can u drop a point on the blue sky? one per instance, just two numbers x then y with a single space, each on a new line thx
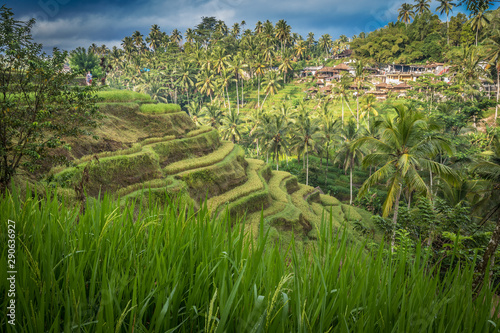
67 24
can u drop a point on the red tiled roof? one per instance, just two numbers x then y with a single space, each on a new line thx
342 67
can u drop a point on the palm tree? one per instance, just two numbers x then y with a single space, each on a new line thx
225 79
369 106
190 34
154 37
360 78
490 171
446 6
348 151
478 22
260 67
138 41
278 132
422 7
300 49
406 13
185 77
307 134
236 30
282 33
230 128
272 85
403 150
258 27
214 114
493 55
176 37
286 65
196 112
325 43
236 67
206 83
341 90
329 127
220 59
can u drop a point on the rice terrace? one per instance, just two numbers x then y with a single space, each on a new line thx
252 177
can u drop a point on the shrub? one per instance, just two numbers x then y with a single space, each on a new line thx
122 96
160 108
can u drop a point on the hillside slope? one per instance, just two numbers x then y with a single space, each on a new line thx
154 154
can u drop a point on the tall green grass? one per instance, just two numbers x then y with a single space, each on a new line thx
128 269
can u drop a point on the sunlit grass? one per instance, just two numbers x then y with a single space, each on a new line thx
128 269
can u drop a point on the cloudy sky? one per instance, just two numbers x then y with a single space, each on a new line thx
67 24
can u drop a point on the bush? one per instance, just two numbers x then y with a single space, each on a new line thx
122 96
160 108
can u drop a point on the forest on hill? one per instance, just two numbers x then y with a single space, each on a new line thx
237 179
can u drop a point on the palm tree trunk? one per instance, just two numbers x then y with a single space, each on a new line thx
395 218
342 101
237 96
357 110
242 95
350 181
228 100
488 255
448 29
326 166
307 167
258 91
264 101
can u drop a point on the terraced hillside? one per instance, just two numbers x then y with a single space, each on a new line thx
179 158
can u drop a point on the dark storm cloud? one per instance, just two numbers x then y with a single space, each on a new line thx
71 23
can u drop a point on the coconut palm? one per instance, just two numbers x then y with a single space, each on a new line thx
185 78
286 64
138 40
479 21
307 135
236 66
360 80
282 33
278 136
403 149
206 83
190 34
349 153
446 6
225 79
272 85
220 59
176 37
330 127
406 13
213 113
422 6
325 43
154 37
368 107
231 126
196 112
259 66
341 91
